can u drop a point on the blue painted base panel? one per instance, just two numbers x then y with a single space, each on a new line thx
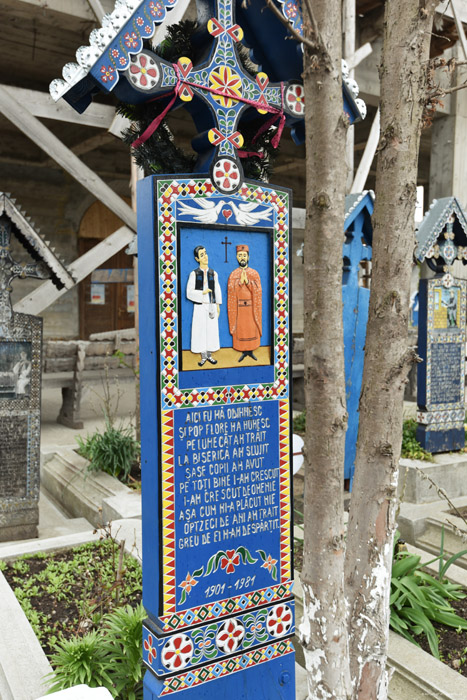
441 440
274 680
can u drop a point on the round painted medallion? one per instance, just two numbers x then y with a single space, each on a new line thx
279 620
143 71
225 174
177 652
230 636
295 99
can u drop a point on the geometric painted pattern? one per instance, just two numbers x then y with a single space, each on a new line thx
225 667
169 194
201 643
214 641
285 490
442 420
229 606
168 512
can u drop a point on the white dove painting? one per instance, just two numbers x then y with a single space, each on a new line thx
245 214
206 213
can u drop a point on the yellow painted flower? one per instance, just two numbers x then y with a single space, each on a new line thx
228 82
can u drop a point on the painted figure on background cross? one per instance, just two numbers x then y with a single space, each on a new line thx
204 291
244 297
451 309
22 372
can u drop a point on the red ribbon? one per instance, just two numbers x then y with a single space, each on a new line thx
252 103
249 154
147 133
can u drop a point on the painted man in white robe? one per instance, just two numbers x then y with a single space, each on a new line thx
204 291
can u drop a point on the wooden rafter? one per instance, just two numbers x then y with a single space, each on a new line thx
45 295
45 139
74 8
42 105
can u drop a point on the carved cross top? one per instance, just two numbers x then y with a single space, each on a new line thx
9 269
226 87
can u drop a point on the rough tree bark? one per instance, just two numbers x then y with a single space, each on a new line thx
403 71
323 630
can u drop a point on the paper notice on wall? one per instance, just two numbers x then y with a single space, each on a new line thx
130 298
97 293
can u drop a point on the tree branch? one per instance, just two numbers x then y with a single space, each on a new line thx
293 32
441 92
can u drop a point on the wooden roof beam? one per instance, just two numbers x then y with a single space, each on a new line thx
42 105
43 296
71 8
45 139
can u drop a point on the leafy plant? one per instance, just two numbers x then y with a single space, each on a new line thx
122 641
418 599
411 448
299 423
114 451
110 657
81 660
68 592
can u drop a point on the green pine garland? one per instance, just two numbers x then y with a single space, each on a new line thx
159 154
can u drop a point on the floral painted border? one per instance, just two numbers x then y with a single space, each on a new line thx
216 640
227 560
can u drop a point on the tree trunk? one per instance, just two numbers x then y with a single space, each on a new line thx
403 70
324 626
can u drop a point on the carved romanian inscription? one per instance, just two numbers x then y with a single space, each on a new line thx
13 456
227 487
446 366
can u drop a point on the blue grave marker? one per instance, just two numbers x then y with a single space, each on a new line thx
441 239
356 299
215 444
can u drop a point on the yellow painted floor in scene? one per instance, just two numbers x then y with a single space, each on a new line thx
227 357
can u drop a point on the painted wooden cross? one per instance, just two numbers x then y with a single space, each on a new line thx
217 92
225 87
9 269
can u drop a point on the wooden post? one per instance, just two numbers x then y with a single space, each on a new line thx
367 158
136 174
349 51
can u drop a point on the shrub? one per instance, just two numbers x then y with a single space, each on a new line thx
110 657
411 448
114 451
418 599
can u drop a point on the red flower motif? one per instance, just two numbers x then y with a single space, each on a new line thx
156 9
175 655
230 561
139 21
279 622
115 53
141 70
230 636
152 651
107 74
131 40
227 172
291 10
